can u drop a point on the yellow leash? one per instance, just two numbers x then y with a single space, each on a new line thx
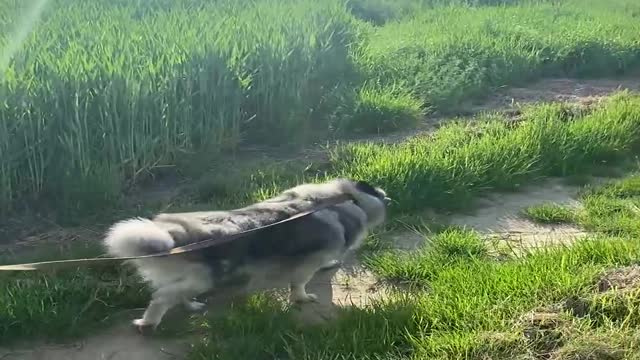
45 265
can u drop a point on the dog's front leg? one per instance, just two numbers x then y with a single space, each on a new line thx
298 288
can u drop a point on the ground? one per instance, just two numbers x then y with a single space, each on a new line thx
498 216
119 343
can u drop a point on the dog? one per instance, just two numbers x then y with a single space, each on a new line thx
293 250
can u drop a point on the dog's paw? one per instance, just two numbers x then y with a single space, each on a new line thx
143 326
195 306
304 298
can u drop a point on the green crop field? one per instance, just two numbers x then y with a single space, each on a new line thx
97 94
102 99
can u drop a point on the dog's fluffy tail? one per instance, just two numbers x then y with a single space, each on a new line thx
137 237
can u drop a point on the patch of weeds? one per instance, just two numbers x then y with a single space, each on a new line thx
458 244
604 344
473 345
629 187
382 110
621 308
405 268
441 250
404 232
549 213
612 209
375 242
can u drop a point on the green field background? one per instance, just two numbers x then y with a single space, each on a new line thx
101 92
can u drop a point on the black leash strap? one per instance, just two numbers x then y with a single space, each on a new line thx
46 265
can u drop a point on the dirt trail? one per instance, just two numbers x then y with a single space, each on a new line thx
499 216
583 92
353 285
508 100
118 343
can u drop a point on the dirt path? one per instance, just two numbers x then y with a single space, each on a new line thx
118 343
355 286
499 216
509 99
585 92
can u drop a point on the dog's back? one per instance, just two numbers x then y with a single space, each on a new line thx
336 228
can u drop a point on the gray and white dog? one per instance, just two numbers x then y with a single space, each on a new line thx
292 251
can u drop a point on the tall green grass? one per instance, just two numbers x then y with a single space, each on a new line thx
135 89
103 92
453 54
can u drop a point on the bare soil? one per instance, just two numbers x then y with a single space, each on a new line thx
625 278
499 216
118 343
509 100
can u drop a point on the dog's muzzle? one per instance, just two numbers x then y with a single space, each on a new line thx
387 200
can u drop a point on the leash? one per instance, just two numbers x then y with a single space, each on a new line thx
45 265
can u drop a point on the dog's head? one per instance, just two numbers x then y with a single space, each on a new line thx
372 200
376 192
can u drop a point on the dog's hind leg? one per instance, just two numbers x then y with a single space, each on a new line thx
160 304
169 296
156 310
320 245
